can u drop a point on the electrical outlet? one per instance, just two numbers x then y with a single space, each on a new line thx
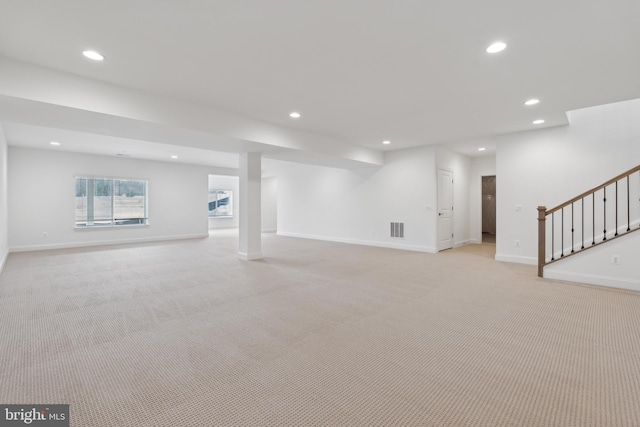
517 243
44 234
615 259
518 208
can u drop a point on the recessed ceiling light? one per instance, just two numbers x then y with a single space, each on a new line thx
538 122
54 143
387 142
496 47
295 115
481 149
532 101
174 157
92 54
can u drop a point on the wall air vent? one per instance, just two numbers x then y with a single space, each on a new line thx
397 229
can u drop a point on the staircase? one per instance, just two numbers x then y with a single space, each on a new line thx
595 217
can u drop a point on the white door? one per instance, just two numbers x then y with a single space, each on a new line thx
445 209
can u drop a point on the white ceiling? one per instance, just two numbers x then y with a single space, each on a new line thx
360 71
82 142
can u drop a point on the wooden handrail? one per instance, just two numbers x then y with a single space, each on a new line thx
543 213
593 190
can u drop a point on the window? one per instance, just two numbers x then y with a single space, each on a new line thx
106 202
220 203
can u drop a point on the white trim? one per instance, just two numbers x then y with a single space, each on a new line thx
110 226
518 259
593 279
269 230
452 217
463 243
3 260
405 247
104 243
251 256
231 227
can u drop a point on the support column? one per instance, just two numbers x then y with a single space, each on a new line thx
250 201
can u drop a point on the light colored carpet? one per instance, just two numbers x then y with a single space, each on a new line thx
317 334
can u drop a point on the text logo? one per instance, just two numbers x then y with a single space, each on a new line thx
34 415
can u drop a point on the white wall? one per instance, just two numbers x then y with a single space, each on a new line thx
4 214
357 205
41 199
269 202
480 166
594 266
225 182
550 166
269 208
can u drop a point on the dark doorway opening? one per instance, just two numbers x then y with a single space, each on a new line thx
489 209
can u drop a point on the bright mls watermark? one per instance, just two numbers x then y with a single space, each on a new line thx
34 415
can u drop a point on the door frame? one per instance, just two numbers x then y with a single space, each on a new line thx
440 247
481 205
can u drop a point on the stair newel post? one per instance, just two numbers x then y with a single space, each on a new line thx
542 244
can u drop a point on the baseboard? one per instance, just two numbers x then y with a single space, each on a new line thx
250 256
517 259
390 245
269 230
463 243
592 279
71 245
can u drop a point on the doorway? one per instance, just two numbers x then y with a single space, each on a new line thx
445 209
489 209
